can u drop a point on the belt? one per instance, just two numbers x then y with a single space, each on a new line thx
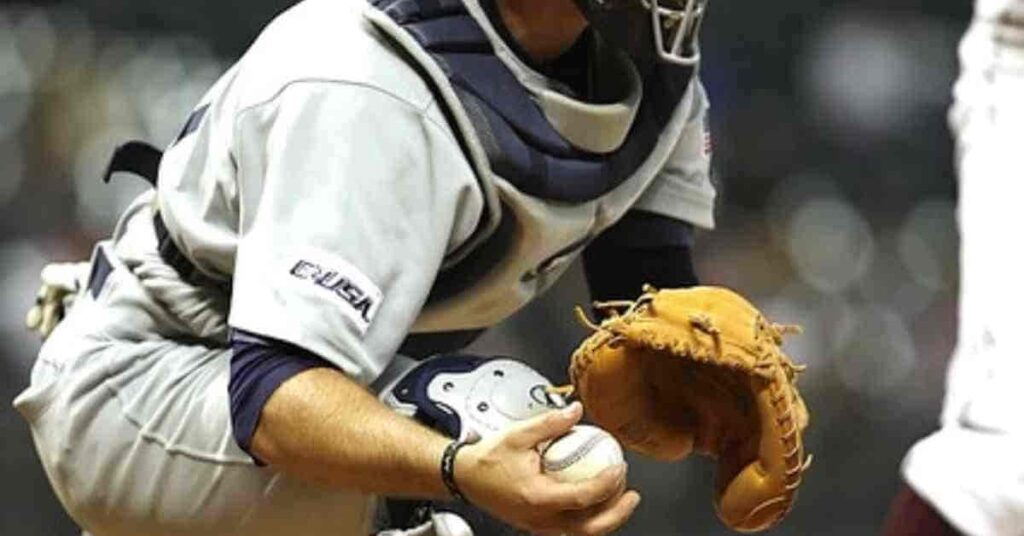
142 159
174 258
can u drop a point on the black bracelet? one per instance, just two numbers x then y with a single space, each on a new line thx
448 468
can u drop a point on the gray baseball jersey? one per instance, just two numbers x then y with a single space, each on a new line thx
324 159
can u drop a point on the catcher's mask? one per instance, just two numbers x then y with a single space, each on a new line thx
671 26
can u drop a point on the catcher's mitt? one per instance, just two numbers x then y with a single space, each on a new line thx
700 370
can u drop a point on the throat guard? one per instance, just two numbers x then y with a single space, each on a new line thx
520 144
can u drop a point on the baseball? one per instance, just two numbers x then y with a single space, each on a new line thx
581 454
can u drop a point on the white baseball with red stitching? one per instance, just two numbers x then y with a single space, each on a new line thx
581 454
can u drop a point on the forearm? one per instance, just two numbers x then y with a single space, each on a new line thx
322 427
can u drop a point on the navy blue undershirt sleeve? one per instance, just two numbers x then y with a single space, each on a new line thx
259 365
642 247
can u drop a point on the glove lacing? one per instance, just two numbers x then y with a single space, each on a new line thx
624 312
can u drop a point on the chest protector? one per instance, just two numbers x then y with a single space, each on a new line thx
505 134
520 143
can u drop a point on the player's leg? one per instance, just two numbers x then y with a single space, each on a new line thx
971 471
134 431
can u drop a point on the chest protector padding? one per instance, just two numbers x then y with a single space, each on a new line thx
521 144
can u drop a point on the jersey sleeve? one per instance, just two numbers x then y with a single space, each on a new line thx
350 198
683 190
658 249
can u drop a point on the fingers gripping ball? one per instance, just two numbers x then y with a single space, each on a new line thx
581 454
701 370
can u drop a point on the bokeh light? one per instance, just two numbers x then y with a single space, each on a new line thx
830 243
928 244
861 65
874 350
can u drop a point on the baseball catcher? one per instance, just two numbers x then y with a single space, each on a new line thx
382 178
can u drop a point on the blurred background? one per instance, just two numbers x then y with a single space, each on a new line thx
837 211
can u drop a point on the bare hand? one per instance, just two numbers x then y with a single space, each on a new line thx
502 474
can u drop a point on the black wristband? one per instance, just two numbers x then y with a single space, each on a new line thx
448 468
